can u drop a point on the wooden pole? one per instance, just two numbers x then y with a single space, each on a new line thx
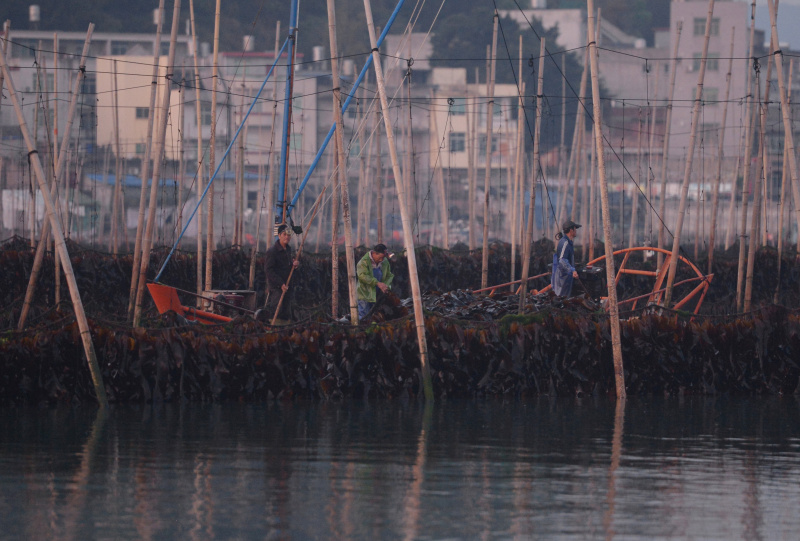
335 230
613 308
720 153
662 200
676 243
526 245
632 231
58 234
592 200
408 239
516 215
147 240
378 177
574 150
488 169
181 151
345 190
148 146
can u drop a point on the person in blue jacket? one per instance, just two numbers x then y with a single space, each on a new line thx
564 272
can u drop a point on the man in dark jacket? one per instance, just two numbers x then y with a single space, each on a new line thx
279 264
564 260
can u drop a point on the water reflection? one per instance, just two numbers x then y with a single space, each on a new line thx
700 468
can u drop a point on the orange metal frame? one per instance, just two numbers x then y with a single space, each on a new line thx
166 299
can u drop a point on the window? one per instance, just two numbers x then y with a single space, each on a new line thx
711 65
296 141
710 95
205 114
355 148
458 141
119 48
459 106
142 112
89 85
700 26
40 84
140 148
482 145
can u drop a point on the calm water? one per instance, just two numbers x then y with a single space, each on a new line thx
690 469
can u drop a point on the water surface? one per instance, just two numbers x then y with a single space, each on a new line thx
701 468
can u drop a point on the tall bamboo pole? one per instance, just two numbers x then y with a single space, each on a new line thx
562 150
345 190
212 155
720 153
114 248
408 239
676 243
488 169
181 151
198 111
378 177
147 240
662 200
632 236
729 223
592 200
518 193
576 137
748 150
787 121
62 158
335 206
781 212
436 140
526 245
613 308
472 107
58 235
137 251
754 222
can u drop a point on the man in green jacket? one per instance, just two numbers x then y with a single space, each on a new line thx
374 273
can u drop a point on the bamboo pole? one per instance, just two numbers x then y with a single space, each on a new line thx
562 150
148 146
632 236
651 130
720 153
55 104
198 110
362 172
574 149
58 234
408 239
335 206
42 245
592 200
729 225
345 190
748 151
443 215
471 129
147 240
676 243
662 200
114 248
526 246
488 169
756 217
781 213
181 151
272 154
787 121
378 177
613 308
212 150
516 215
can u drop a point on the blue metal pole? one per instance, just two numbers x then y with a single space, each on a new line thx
287 108
222 161
328 137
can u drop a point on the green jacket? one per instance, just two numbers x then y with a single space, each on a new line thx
367 282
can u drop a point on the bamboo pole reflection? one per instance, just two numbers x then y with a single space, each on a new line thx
74 510
616 453
412 504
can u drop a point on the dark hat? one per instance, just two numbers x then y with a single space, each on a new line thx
569 224
282 228
380 249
